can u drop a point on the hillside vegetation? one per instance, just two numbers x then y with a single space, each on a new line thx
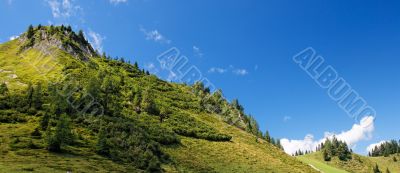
358 163
65 107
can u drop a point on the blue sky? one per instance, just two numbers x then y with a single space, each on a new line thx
246 49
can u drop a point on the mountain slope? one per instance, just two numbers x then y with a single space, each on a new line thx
64 107
358 163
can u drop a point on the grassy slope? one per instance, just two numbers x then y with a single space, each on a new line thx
79 159
359 164
17 70
320 165
242 154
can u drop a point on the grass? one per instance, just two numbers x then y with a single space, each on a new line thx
320 165
18 69
359 164
242 154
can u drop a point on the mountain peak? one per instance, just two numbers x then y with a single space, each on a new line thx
61 37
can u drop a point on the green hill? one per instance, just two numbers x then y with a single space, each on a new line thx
64 107
358 163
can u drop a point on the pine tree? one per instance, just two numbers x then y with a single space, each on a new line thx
102 146
61 136
3 89
81 36
37 97
267 137
137 100
278 143
326 155
30 32
29 95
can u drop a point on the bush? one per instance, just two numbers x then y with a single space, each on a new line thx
185 125
10 116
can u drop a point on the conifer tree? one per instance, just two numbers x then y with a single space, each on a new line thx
61 136
29 95
37 97
3 89
30 32
267 137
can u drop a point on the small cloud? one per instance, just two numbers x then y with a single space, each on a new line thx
96 40
154 35
64 8
172 76
255 67
217 70
116 2
240 72
372 146
286 118
197 52
13 37
151 68
9 2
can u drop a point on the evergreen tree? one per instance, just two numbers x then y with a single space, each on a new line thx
137 100
81 36
278 143
29 95
148 105
102 146
30 32
267 137
44 121
37 97
326 155
136 66
61 136
3 89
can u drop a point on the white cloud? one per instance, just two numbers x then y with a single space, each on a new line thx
13 37
256 67
240 72
197 52
96 40
286 118
361 131
172 76
372 146
154 35
64 8
151 67
216 70
116 2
